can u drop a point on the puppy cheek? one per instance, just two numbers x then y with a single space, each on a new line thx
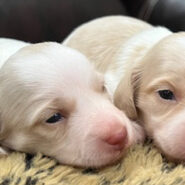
170 139
16 141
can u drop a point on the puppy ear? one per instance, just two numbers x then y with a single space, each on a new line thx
126 92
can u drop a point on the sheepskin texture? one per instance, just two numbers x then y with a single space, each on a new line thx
142 165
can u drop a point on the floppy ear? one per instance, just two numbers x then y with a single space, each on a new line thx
126 92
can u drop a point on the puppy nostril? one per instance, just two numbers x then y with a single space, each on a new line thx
117 138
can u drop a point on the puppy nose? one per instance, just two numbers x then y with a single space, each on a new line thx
117 137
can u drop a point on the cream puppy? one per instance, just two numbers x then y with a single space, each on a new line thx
53 101
144 69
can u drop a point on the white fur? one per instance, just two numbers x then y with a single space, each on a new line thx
147 38
8 47
43 79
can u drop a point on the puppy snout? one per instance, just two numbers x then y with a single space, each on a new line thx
112 132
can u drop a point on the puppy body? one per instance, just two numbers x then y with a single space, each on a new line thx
144 68
123 42
53 101
101 39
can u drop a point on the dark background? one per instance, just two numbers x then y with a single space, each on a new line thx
53 20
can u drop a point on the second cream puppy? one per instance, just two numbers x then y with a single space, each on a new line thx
144 68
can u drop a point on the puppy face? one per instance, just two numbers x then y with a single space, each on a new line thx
54 102
161 95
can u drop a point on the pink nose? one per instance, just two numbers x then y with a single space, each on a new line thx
117 138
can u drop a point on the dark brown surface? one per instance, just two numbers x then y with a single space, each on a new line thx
50 20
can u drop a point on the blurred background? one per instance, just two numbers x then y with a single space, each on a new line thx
52 20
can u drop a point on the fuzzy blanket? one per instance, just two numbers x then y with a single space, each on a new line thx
142 165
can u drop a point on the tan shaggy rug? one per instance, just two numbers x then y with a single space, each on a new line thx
142 165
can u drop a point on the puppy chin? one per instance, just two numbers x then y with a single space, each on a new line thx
96 159
104 160
174 153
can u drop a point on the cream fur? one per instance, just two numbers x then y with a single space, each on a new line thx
8 47
40 80
138 60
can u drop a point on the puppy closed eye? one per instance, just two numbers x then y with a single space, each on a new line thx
166 94
55 118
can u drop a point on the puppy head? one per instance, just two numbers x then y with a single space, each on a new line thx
160 95
54 102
